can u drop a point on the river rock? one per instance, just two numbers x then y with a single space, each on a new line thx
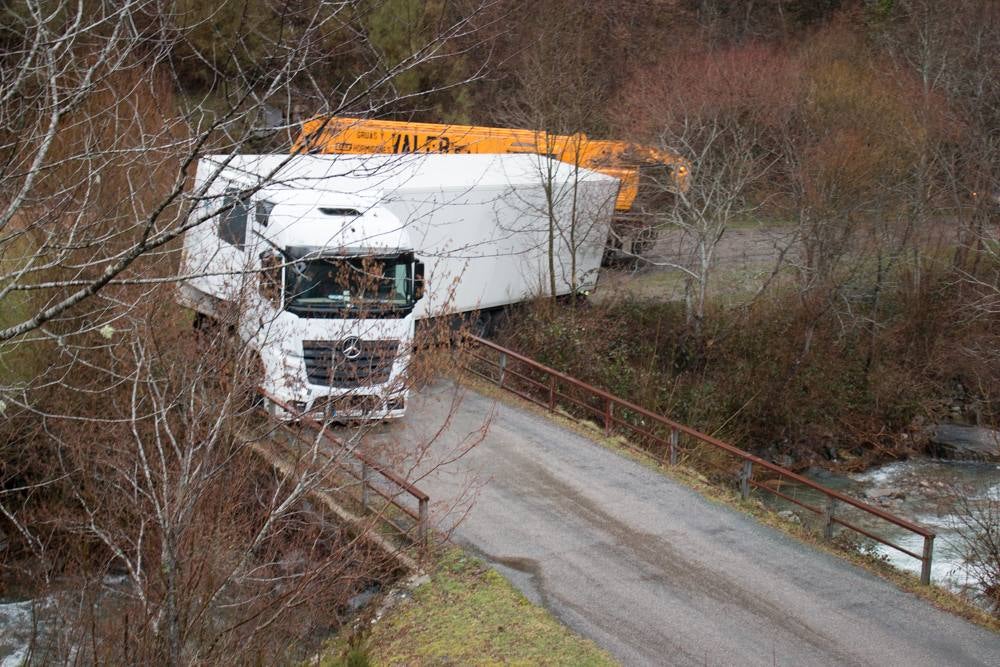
790 516
884 494
965 442
783 460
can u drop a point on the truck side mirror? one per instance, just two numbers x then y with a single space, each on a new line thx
418 280
270 277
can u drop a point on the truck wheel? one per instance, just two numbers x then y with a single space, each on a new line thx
242 377
644 240
483 325
613 255
204 326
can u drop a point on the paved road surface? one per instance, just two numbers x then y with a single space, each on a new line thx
655 573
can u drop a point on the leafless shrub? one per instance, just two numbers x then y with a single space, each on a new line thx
124 444
978 522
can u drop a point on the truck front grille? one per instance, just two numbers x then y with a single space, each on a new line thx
328 365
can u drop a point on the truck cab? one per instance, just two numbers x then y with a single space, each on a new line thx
321 285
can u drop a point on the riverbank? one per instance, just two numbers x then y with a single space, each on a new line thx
943 495
466 613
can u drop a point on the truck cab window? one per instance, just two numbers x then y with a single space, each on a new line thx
350 286
263 212
233 219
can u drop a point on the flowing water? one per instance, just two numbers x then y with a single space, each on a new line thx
920 490
28 625
20 624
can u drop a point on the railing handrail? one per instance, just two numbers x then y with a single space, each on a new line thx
422 514
924 532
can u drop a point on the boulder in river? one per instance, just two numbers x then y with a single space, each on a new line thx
952 441
885 494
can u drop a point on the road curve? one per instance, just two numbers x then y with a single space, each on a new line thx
650 570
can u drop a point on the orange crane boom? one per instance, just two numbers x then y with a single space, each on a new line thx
645 173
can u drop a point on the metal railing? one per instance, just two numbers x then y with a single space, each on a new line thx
372 477
548 387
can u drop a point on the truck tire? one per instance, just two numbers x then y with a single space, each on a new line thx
644 240
210 332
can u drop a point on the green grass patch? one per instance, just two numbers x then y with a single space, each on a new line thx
468 614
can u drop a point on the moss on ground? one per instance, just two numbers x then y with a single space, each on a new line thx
468 614
18 359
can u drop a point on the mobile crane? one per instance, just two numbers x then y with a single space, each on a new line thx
649 177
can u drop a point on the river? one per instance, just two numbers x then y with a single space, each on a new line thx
921 490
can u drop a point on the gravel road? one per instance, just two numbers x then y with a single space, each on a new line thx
650 570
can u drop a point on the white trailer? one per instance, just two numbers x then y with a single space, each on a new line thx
326 262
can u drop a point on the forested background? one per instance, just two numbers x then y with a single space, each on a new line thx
866 135
858 140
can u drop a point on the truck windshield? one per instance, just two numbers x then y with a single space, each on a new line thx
350 286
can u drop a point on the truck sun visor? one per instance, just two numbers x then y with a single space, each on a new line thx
340 211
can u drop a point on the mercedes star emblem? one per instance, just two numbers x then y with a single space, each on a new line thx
351 347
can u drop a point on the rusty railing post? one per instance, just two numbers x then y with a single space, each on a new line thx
552 393
831 504
925 566
364 487
607 417
503 367
675 437
422 528
745 475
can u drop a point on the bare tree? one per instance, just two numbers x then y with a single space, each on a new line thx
715 109
101 147
978 524
122 448
574 210
219 556
952 52
558 99
727 165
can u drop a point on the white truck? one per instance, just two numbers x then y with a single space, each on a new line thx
325 262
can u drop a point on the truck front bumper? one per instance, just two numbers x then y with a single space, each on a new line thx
353 406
